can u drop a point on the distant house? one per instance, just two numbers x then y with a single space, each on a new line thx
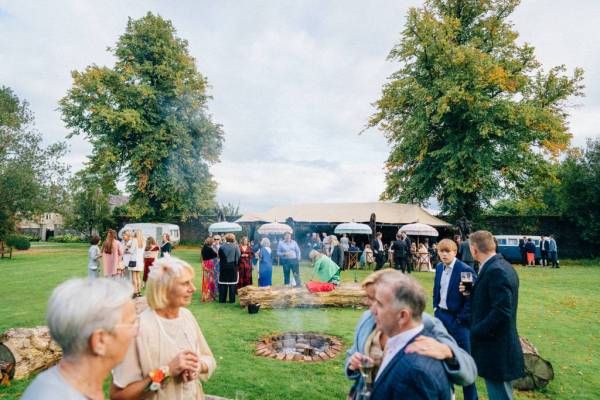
117 201
42 226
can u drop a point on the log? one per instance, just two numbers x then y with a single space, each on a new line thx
345 295
32 348
538 371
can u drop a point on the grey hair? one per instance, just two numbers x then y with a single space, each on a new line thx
314 254
408 293
79 307
265 242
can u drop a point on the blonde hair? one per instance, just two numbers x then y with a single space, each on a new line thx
374 277
139 237
162 274
333 241
447 245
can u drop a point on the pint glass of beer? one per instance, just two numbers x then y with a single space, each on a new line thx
466 278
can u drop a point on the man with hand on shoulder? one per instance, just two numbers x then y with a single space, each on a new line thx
399 304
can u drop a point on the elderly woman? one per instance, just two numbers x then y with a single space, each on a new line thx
265 265
325 269
93 321
370 341
170 354
229 259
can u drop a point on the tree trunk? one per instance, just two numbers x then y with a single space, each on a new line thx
345 295
538 372
32 348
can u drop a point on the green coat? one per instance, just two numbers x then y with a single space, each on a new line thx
327 270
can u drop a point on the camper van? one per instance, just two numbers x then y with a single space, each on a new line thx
508 246
155 230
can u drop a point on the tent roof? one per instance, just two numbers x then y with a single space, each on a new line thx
386 213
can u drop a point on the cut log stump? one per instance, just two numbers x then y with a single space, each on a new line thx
32 348
345 295
538 372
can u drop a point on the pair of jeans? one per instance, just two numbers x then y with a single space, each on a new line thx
554 259
224 288
498 390
293 266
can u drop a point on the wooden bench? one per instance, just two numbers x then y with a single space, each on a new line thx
5 250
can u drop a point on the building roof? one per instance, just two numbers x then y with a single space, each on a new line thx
385 213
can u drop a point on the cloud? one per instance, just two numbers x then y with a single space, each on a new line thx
292 81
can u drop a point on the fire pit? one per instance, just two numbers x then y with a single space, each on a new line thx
299 346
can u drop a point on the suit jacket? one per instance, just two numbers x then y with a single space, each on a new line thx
544 245
495 342
457 304
465 252
400 249
412 377
375 246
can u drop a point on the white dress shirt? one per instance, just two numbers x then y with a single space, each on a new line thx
395 344
444 283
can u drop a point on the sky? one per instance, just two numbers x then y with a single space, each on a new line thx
292 81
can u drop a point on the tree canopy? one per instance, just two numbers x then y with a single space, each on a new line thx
31 175
470 115
148 122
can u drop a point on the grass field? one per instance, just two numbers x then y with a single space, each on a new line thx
558 312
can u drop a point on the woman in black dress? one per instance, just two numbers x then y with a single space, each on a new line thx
166 246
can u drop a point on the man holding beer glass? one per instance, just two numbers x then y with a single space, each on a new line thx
450 306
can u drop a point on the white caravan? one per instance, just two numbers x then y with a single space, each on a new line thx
155 230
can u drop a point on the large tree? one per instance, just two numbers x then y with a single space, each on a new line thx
89 209
148 122
470 114
32 176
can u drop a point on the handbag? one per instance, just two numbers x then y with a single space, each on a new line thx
131 264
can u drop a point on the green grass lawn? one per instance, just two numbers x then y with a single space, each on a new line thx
558 312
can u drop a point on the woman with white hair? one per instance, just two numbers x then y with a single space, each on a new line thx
93 321
170 356
265 266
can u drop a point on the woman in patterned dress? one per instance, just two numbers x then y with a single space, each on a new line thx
245 268
209 286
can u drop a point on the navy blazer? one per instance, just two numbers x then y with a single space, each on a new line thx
457 304
495 344
412 377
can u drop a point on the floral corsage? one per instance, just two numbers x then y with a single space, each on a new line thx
158 377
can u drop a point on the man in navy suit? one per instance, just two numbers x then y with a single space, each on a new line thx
450 306
495 342
399 304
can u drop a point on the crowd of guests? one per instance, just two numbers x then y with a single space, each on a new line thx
548 251
130 258
399 351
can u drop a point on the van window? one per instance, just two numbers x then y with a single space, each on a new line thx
173 233
513 242
536 242
502 242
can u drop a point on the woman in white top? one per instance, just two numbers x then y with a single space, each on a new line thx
136 262
169 340
125 246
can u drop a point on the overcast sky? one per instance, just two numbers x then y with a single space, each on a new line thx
293 82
